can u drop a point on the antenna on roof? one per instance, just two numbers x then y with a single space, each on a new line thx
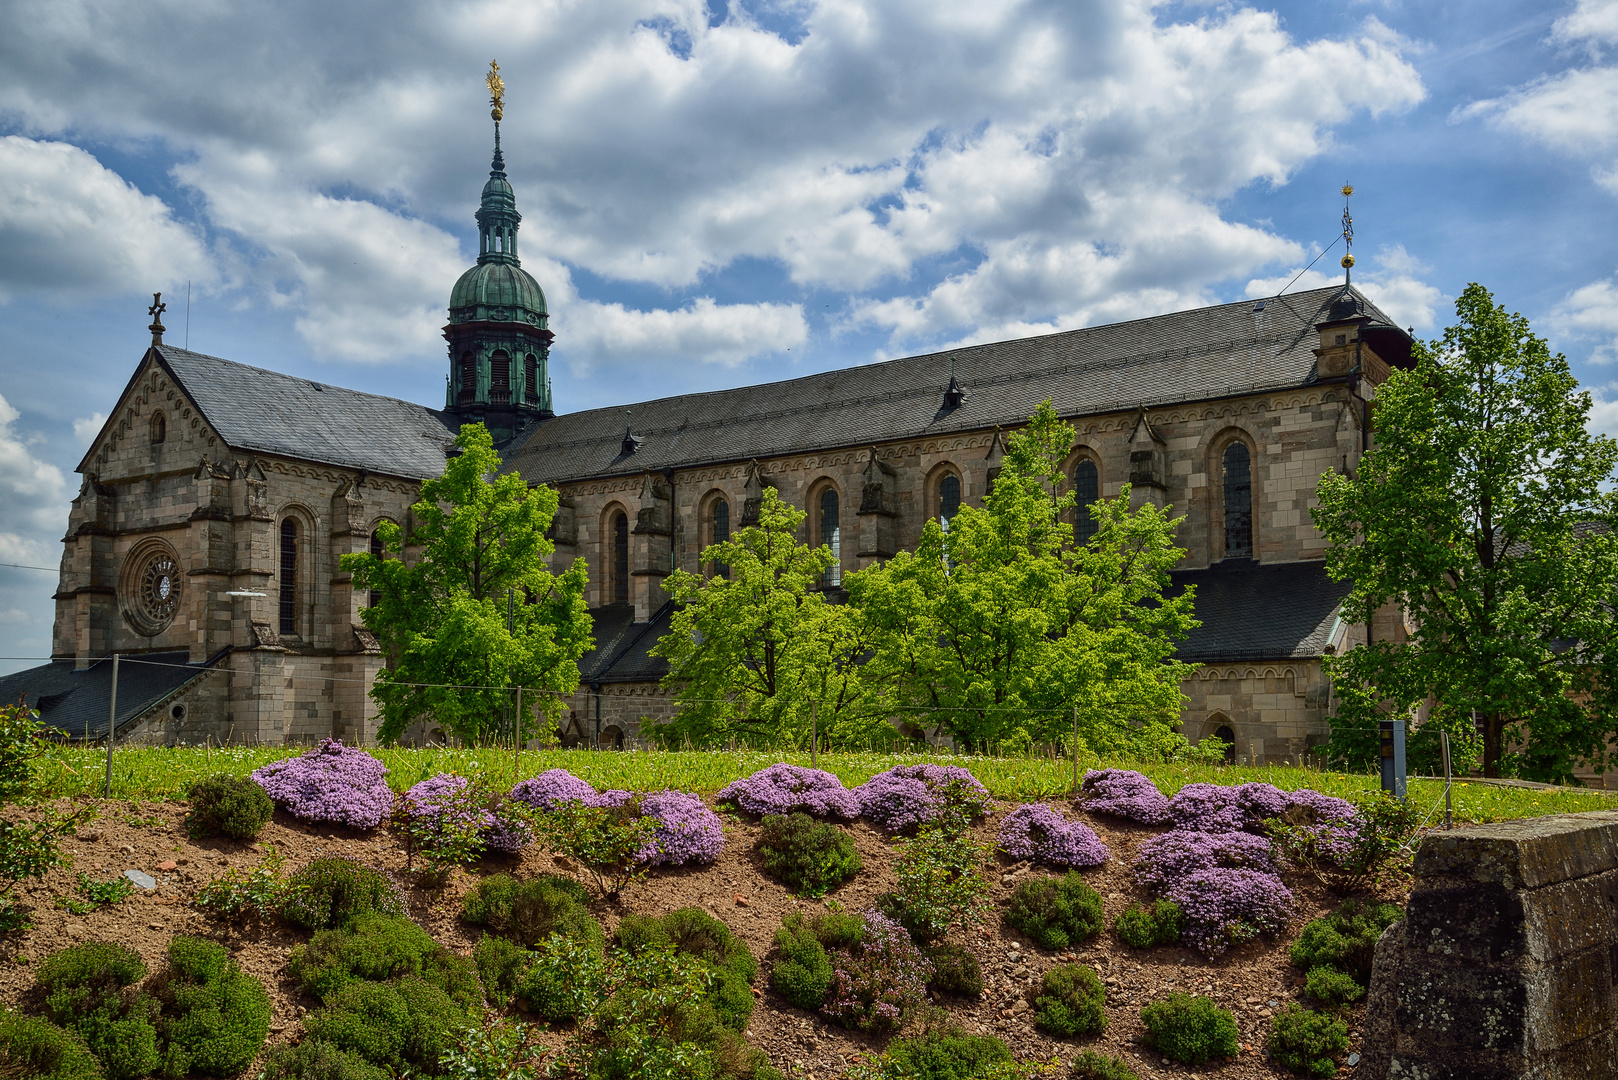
1348 236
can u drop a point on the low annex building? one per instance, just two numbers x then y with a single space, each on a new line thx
218 498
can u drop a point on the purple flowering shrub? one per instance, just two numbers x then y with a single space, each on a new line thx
336 783
1174 855
783 789
878 982
1037 833
444 799
687 831
1211 808
906 796
1224 906
1124 793
547 789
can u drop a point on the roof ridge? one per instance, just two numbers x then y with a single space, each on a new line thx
166 349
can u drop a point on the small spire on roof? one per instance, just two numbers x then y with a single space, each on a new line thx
953 395
631 440
156 312
1348 236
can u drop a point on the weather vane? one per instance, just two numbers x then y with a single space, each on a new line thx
497 90
1348 236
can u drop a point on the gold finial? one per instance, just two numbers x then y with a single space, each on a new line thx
1348 235
497 90
1348 189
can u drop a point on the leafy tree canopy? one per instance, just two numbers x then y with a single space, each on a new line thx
475 556
1001 626
751 653
1483 511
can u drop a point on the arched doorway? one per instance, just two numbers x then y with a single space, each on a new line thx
1227 735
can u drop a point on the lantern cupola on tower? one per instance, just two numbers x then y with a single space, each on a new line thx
498 333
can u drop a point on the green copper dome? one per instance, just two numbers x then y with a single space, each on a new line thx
497 291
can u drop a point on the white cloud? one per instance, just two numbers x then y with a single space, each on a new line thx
33 496
1590 313
1604 410
1392 278
70 228
87 427
1592 22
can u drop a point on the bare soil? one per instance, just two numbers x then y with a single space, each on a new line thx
1254 980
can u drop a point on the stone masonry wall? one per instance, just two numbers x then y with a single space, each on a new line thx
1504 965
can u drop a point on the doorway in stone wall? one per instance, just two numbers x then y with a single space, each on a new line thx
1227 735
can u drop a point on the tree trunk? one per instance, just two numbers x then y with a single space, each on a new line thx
1492 725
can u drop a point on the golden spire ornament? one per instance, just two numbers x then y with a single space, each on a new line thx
497 90
1348 235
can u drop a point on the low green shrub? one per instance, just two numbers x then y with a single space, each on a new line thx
1090 1065
327 893
258 892
1190 1030
84 990
499 1049
1330 986
374 948
1055 912
501 964
956 971
531 910
314 1059
802 971
562 979
1345 939
31 1046
693 932
232 806
1070 1001
404 1025
1306 1041
945 1055
941 881
1142 927
807 856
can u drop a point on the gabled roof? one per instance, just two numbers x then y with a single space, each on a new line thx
1260 611
272 413
1192 355
77 703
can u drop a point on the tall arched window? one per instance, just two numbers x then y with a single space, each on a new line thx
469 379
831 535
1238 502
376 552
530 382
949 498
620 558
1086 490
500 378
289 576
721 534
160 427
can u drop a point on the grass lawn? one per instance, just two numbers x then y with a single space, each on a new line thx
166 773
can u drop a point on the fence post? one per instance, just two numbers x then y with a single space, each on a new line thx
112 723
1443 746
814 734
1075 751
516 742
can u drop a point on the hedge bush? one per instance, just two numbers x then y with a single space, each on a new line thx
1142 927
1055 912
31 1046
228 805
807 856
945 1055
1332 986
402 1025
1306 1041
1090 1065
802 972
313 1059
1190 1030
84 986
531 910
956 971
693 932
1070 1001
1345 939
375 947
326 894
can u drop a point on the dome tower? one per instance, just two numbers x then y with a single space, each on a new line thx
499 340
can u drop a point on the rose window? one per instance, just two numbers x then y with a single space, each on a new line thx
157 590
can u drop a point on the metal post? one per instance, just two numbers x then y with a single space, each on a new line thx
1392 738
516 742
1443 748
814 734
1075 751
112 723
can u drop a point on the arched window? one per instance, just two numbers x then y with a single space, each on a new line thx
949 498
620 558
721 534
1086 490
376 552
530 383
289 576
1238 502
1227 736
160 427
469 379
831 535
500 378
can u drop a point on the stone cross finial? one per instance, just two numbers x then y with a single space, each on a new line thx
156 312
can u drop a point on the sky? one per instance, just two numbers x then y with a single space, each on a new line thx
726 192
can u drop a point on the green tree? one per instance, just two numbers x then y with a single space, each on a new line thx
477 555
1480 511
1003 625
749 654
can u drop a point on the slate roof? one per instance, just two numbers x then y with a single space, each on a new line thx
1192 355
76 703
1249 611
1260 611
255 409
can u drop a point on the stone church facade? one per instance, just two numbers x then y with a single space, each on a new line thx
216 502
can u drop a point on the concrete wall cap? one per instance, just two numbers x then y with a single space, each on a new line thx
1524 854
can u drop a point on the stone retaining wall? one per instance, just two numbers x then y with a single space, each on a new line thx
1504 965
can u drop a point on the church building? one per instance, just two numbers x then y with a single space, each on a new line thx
216 501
